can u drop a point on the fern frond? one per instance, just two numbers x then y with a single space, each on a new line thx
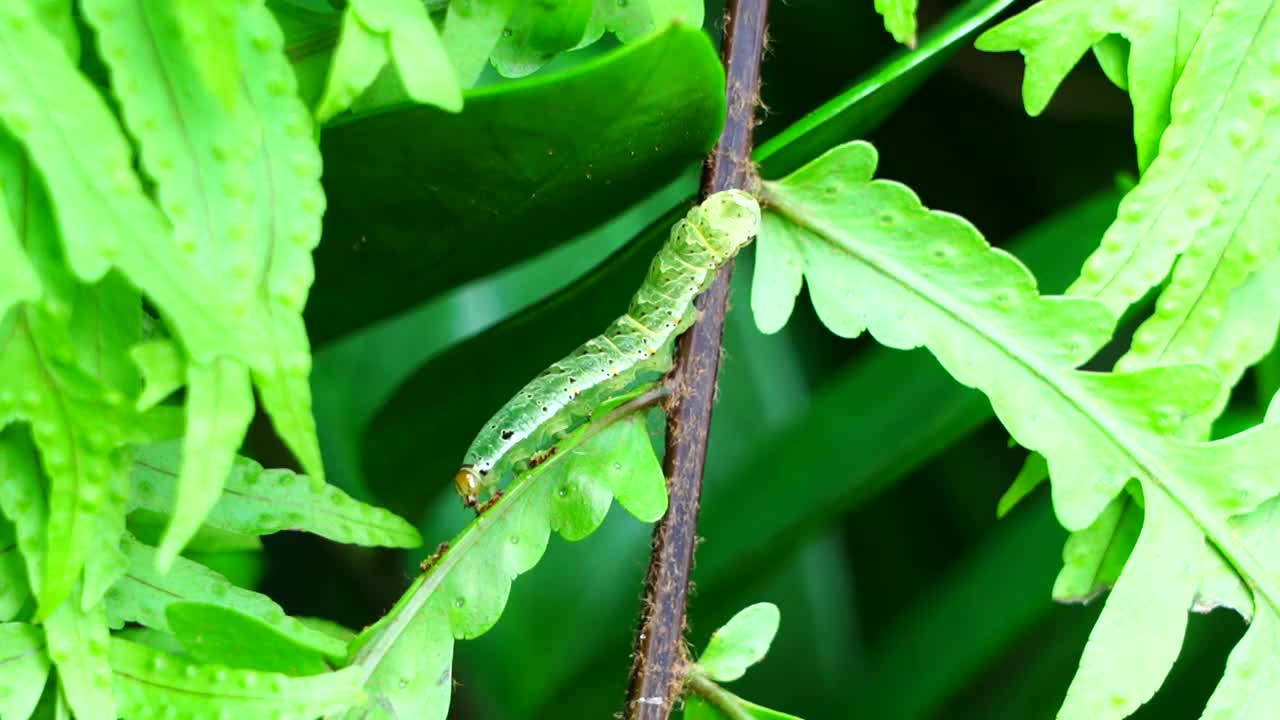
77 643
378 34
14 590
1055 34
407 656
78 422
257 501
875 259
147 678
26 665
144 595
228 263
1207 193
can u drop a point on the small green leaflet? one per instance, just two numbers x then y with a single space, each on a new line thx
736 646
899 19
26 665
256 501
143 595
147 678
389 35
740 643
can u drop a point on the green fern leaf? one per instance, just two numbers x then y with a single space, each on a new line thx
1055 34
107 562
26 666
899 19
740 643
219 408
1249 689
208 28
147 678
407 656
242 164
77 641
13 574
471 32
1245 333
18 279
218 635
22 501
876 259
634 19
537 32
143 596
1185 200
520 38
1093 558
71 327
396 33
260 502
163 370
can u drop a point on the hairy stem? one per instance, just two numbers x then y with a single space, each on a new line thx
727 703
657 674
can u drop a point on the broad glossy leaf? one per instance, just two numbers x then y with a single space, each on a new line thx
256 501
740 643
603 137
979 313
408 654
147 678
26 665
144 594
218 635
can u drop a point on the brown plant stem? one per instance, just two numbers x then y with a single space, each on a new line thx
660 661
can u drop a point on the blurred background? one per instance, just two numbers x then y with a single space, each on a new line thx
852 485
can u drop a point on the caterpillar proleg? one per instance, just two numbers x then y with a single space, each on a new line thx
662 309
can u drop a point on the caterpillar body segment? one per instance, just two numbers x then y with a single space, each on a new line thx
637 342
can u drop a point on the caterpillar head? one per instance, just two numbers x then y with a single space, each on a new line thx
468 484
734 213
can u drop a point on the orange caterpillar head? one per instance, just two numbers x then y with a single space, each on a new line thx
468 484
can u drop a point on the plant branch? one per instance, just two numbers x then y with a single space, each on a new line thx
657 673
727 703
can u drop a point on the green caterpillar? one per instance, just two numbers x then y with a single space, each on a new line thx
661 310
